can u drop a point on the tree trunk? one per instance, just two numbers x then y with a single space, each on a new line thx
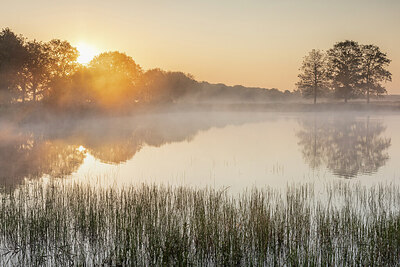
24 90
368 83
315 84
315 144
315 95
34 87
23 93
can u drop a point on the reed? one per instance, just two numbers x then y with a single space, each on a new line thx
73 224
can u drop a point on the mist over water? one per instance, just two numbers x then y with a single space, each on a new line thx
169 149
204 148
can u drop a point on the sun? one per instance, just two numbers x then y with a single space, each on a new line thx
86 53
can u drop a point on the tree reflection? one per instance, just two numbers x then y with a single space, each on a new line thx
27 156
312 144
346 146
52 148
114 151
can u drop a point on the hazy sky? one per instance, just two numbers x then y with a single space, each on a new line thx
253 43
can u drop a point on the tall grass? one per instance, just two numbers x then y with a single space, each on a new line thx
63 224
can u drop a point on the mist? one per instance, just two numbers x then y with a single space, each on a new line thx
108 160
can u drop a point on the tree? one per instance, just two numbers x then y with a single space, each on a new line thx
63 58
374 72
47 67
28 70
160 86
345 69
313 76
62 67
153 85
13 55
37 70
114 78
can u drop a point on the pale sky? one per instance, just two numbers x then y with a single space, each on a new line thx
253 43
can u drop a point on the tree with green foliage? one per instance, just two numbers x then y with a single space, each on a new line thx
313 77
374 70
344 69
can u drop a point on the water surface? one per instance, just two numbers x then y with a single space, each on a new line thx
221 149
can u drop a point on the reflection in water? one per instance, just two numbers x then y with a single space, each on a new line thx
30 156
346 146
56 149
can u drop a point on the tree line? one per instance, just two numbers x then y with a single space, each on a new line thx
347 70
48 72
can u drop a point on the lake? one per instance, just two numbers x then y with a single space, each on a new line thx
247 188
217 149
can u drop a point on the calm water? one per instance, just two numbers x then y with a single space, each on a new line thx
205 149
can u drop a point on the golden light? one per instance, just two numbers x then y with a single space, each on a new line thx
86 53
81 149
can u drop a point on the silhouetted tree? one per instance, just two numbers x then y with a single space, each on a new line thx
179 83
13 55
37 70
63 58
345 69
313 77
49 67
374 72
63 67
160 86
153 86
48 72
29 70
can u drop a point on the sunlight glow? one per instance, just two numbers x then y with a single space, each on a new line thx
86 53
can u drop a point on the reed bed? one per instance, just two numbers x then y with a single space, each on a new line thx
60 224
